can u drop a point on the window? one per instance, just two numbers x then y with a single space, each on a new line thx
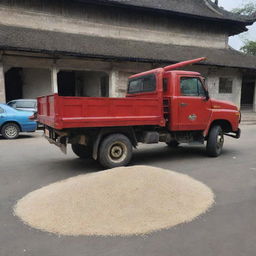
191 87
142 84
1 110
25 104
11 104
225 85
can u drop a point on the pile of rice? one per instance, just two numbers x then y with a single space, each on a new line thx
120 201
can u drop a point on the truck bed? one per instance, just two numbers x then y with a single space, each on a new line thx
61 112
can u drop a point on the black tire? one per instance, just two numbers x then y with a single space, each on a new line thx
173 144
10 131
115 150
215 141
82 151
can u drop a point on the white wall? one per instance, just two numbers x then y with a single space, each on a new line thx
118 83
36 82
90 81
212 75
213 85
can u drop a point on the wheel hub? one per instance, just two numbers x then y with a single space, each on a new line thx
220 140
117 152
11 131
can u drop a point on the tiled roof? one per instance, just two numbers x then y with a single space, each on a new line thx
22 39
197 8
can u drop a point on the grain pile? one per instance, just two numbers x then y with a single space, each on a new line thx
120 201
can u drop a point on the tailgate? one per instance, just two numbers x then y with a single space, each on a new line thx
48 110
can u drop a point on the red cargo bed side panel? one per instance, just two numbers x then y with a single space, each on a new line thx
72 112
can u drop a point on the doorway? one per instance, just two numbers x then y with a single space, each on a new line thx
247 95
66 83
83 83
13 84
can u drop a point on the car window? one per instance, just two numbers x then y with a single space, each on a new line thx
12 104
191 86
25 104
1 110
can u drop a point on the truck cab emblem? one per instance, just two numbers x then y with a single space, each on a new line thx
192 117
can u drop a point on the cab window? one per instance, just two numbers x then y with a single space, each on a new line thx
191 86
142 84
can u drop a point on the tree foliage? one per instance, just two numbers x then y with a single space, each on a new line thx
249 47
247 9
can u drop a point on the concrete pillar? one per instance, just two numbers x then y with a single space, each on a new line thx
54 80
237 91
2 84
254 99
113 83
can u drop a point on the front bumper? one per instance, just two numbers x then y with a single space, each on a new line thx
238 133
235 135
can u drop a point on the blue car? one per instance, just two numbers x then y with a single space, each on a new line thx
13 121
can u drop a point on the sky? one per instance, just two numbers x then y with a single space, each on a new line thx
237 41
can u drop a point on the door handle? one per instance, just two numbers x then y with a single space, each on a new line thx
183 104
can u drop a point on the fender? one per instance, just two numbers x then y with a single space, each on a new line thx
12 121
224 116
128 131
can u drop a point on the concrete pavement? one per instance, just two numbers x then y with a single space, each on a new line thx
228 229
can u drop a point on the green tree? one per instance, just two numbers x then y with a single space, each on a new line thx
247 9
249 47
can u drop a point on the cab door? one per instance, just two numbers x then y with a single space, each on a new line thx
194 108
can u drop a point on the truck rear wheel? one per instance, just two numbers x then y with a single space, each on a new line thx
115 150
82 151
215 141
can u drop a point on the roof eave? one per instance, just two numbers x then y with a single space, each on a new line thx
240 19
246 19
57 54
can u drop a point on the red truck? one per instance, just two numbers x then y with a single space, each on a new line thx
161 105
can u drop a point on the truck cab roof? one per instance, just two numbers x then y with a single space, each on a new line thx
153 71
183 72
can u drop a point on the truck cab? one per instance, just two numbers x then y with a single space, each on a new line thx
187 105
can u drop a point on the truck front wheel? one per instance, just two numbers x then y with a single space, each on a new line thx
82 151
215 141
115 150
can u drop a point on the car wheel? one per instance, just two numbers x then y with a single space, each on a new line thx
10 131
215 141
82 151
115 150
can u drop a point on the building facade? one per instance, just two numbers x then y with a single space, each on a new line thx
90 48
